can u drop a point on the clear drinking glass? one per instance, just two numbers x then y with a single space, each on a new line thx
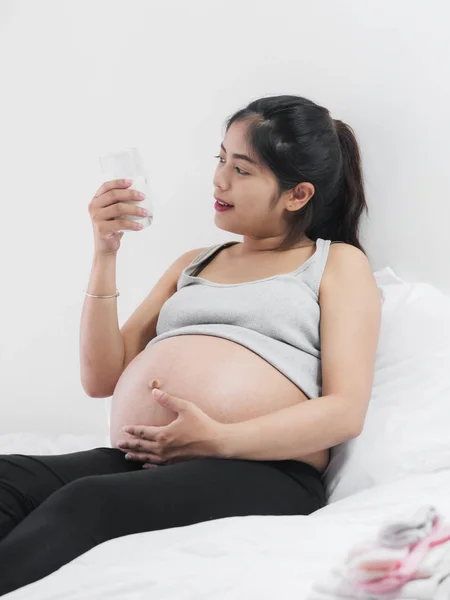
128 164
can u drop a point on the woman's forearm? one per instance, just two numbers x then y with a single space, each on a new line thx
292 432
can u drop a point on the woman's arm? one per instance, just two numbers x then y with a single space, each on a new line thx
350 304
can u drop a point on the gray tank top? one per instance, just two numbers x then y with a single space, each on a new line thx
277 317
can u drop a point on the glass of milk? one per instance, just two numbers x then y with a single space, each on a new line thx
128 164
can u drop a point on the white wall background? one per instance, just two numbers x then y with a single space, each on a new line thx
79 78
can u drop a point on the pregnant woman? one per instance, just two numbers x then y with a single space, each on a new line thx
264 350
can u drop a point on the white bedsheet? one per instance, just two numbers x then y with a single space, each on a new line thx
250 558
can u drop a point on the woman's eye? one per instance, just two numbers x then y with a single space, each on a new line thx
240 171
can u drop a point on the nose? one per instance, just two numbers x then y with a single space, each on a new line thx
220 181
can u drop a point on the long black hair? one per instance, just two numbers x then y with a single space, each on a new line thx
300 141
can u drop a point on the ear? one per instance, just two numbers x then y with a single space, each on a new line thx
302 193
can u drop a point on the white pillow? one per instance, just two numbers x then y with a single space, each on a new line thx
408 421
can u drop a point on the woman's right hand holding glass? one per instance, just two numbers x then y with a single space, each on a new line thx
111 201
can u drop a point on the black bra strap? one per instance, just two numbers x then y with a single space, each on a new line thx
203 264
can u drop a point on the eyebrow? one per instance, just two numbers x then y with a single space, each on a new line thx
242 156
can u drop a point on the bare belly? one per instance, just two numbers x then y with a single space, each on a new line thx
229 382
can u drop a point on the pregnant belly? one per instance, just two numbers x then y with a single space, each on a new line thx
229 382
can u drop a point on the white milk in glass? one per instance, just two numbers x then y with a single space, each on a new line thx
140 184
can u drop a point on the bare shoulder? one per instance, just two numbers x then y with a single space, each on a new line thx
187 257
343 251
342 256
346 266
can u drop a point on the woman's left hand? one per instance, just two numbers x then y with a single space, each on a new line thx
192 434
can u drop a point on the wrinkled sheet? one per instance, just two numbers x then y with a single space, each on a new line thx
256 557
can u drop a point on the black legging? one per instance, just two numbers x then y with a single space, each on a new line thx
54 508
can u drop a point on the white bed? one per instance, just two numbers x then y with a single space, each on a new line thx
400 462
254 557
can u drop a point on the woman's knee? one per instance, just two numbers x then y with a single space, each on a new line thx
81 492
79 501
